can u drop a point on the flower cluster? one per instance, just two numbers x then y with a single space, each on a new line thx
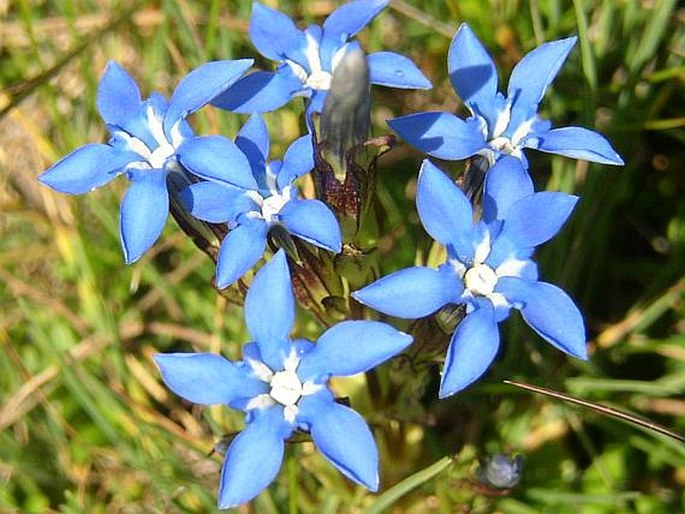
282 384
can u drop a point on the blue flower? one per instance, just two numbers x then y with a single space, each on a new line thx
251 211
308 58
498 125
281 384
145 137
488 269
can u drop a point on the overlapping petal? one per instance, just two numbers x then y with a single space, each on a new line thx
395 70
118 95
216 203
261 91
206 378
86 168
217 158
351 17
270 310
439 134
239 251
576 142
253 459
144 210
314 222
506 182
473 347
410 293
351 347
297 161
253 141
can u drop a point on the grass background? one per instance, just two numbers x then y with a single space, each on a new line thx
86 426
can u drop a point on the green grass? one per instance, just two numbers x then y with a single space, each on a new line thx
87 426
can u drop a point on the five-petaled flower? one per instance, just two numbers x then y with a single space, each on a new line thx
144 143
281 384
308 58
498 125
252 210
488 268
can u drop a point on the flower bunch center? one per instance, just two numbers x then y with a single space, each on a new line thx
272 205
286 388
481 279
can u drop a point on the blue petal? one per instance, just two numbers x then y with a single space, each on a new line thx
536 218
550 312
473 73
118 95
505 183
216 203
439 134
410 293
471 351
206 378
86 168
532 76
350 18
201 86
343 437
576 142
261 91
395 70
272 33
444 210
314 222
216 158
270 310
253 141
144 211
297 161
351 347
253 459
239 251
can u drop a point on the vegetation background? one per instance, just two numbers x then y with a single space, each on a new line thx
85 424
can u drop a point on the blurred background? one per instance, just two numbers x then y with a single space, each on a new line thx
87 426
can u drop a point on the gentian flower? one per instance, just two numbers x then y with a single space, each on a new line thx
501 125
145 137
306 59
281 384
488 269
252 210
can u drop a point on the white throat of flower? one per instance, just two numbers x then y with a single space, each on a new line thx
319 79
286 387
271 206
499 144
158 157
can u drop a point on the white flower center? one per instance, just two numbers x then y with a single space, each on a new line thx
319 80
160 155
480 280
286 388
272 205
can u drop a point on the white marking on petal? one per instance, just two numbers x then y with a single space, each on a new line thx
260 370
338 56
261 401
312 53
522 131
156 125
310 387
290 413
483 249
292 361
498 300
459 267
134 144
511 268
298 70
502 121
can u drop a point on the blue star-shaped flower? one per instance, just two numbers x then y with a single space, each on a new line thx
252 210
281 384
498 125
308 58
145 138
488 268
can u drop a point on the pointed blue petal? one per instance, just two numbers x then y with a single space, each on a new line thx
261 91
549 311
253 459
444 210
206 378
350 18
395 70
351 347
216 203
577 143
471 351
253 139
506 182
439 134
532 76
272 33
201 86
410 293
239 251
297 161
270 310
144 211
118 95
536 218
343 437
473 73
314 222
216 158
86 168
